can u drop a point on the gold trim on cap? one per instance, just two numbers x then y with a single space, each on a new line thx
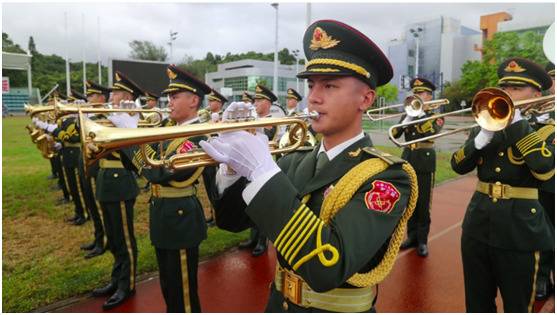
503 79
91 91
183 86
120 85
324 70
259 95
335 62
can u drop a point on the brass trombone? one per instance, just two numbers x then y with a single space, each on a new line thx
492 109
413 107
98 140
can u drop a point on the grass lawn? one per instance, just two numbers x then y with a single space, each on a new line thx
42 262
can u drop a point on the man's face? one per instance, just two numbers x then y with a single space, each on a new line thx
425 96
520 93
215 106
262 107
118 96
340 102
291 103
96 98
183 106
151 103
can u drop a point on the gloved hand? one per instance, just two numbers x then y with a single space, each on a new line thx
41 124
517 116
50 127
126 104
215 117
407 119
244 152
238 110
124 120
34 120
483 138
57 146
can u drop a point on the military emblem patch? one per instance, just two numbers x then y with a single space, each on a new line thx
514 67
186 147
322 40
171 74
382 197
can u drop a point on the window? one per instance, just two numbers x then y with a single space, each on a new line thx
411 53
236 83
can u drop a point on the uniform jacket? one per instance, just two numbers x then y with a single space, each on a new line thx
116 184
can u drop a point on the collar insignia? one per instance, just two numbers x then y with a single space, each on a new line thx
322 40
355 153
514 67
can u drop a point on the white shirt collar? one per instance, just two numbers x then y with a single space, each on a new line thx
188 122
332 153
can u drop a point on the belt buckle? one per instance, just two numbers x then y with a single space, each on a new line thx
497 190
413 146
292 287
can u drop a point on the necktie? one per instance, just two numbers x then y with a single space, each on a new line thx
322 160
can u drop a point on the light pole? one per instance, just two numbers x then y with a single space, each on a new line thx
173 36
416 33
295 52
275 70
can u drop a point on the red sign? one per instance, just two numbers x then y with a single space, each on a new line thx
5 85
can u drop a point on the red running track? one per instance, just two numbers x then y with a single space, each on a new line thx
237 282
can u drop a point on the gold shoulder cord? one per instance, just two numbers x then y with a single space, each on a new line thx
343 192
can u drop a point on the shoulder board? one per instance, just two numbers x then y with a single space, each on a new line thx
387 157
546 131
304 149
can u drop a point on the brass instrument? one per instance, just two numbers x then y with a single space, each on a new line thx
98 140
45 144
414 106
149 121
492 109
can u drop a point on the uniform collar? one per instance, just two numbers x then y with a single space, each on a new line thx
332 153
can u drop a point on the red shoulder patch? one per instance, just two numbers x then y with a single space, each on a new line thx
186 147
382 197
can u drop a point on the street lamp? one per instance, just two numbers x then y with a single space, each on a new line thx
416 33
296 52
173 36
275 70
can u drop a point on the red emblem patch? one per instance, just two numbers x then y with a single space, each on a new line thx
186 147
382 197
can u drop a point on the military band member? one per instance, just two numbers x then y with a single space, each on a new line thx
96 94
422 157
151 100
177 223
293 203
247 98
505 227
216 102
292 99
116 190
545 125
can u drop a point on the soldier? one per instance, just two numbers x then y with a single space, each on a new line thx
247 98
177 223
294 202
116 191
505 226
216 102
151 100
292 99
95 94
421 156
545 126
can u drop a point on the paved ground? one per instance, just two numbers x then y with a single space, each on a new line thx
237 282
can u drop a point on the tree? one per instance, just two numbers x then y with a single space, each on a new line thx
31 46
388 91
9 46
146 50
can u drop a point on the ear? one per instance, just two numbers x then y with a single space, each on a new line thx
368 97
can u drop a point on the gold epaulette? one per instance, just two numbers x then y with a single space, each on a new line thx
546 131
387 157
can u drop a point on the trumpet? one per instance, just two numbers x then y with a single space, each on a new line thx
98 140
492 109
149 120
414 106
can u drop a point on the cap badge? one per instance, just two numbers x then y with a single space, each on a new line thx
514 67
117 76
88 84
171 74
258 89
322 40
418 82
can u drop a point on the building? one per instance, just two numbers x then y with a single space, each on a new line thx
244 75
444 45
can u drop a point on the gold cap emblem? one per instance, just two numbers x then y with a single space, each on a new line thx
514 67
87 84
322 40
117 76
171 74
258 89
418 82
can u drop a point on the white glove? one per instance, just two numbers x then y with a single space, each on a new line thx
215 117
483 138
126 104
542 118
50 127
407 119
41 124
34 120
247 154
57 146
238 110
517 116
124 120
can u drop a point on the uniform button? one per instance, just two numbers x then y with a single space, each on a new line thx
180 212
533 210
427 153
501 153
285 305
115 175
497 169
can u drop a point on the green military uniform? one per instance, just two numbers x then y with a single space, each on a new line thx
100 241
422 157
505 226
292 94
546 128
176 219
116 191
318 251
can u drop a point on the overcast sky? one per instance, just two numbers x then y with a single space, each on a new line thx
222 28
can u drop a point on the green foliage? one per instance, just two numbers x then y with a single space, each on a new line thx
388 91
31 46
9 46
146 50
